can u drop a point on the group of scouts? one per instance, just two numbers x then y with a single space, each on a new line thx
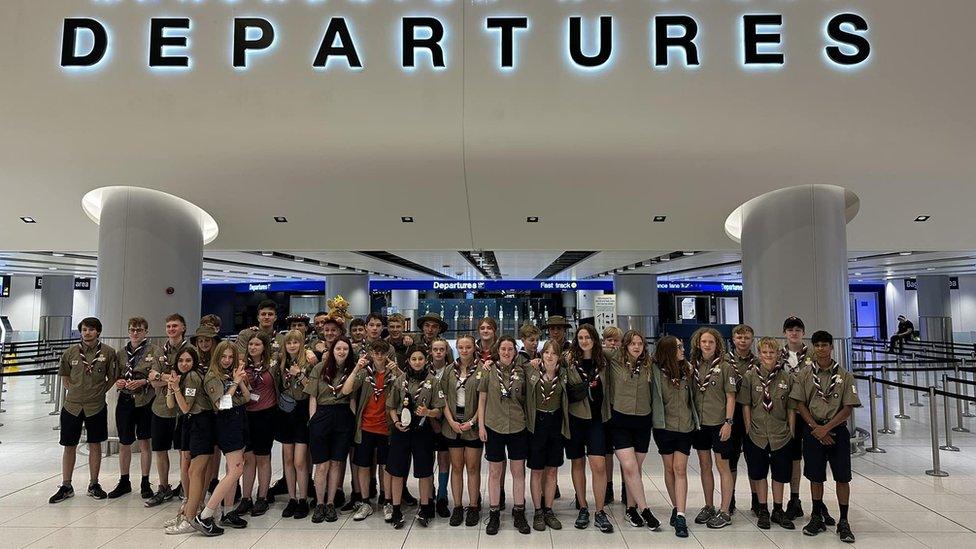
345 393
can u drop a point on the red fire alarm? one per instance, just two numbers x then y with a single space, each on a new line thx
170 291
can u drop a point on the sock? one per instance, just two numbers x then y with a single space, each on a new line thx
66 484
396 509
442 479
145 479
818 507
207 513
755 499
794 496
494 508
680 514
778 507
124 478
764 507
843 511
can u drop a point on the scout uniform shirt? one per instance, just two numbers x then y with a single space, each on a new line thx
369 387
796 360
217 386
713 381
191 384
415 393
505 404
577 373
544 395
460 386
135 364
165 365
825 391
741 365
328 392
91 371
630 389
674 408
291 385
277 341
769 427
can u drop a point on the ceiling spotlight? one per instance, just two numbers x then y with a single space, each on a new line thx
52 268
688 253
922 218
660 218
28 219
280 219
904 253
407 219
300 259
57 254
267 254
532 219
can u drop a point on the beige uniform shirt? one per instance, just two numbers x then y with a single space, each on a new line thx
91 371
713 381
405 391
217 386
837 388
277 341
454 385
677 405
630 385
503 414
325 392
770 428
165 365
143 362
194 393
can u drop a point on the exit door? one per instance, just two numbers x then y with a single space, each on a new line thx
865 315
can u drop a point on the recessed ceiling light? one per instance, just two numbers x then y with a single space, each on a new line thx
904 253
660 218
665 258
57 254
280 219
687 253
930 268
267 254
859 280
52 268
342 268
300 259
532 219
28 219
407 219
857 274
922 218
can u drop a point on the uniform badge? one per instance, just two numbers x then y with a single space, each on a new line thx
74 362
440 394
190 391
783 386
854 389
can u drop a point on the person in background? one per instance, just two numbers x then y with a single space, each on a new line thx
204 340
438 364
316 340
267 316
556 327
299 323
906 331
357 331
395 325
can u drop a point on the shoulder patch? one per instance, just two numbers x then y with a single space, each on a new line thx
190 391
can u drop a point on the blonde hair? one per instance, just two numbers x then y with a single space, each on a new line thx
219 352
770 342
302 358
528 330
696 352
612 331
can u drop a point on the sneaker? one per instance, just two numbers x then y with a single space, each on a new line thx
318 515
95 491
815 526
844 531
608 497
330 513
145 489
539 520
302 510
650 520
183 527
364 510
793 509
122 488
159 497
680 526
521 524
781 518
233 520
472 516
173 521
705 515
763 520
244 507
63 493
551 520
422 519
674 515
397 519
206 526
260 507
602 522
494 520
634 518
289 510
279 488
828 520
720 520
388 512
351 504
582 519
406 499
176 492
340 498
443 509
457 516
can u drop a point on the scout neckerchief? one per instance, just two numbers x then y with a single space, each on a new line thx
638 364
337 387
801 355
526 355
291 380
420 376
512 378
713 369
677 381
89 366
371 379
363 350
169 348
132 358
591 382
468 372
834 379
552 383
254 372
767 380
484 353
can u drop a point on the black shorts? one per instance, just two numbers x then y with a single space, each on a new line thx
514 446
709 438
761 460
181 435
738 436
372 448
199 434
163 433
331 432
440 441
232 429
669 442
133 422
415 445
587 437
546 443
459 442
261 430
816 456
292 427
96 427
796 448
627 431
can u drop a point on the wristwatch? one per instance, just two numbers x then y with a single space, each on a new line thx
728 420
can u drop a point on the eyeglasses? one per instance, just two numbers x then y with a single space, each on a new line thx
136 330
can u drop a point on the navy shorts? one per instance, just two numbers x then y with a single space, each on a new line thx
546 443
709 437
96 427
292 427
816 456
232 429
200 434
440 442
587 437
737 439
163 433
627 431
513 445
133 422
669 442
261 431
761 460
331 432
372 448
416 445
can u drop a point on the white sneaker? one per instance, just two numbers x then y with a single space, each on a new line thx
172 521
363 510
184 527
387 511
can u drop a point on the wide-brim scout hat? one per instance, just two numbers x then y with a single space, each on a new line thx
556 322
432 317
205 330
296 318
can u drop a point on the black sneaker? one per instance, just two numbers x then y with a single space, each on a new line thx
301 511
351 505
457 516
206 526
472 516
828 520
260 507
634 518
674 515
793 509
244 507
650 520
815 526
330 513
582 519
340 498
443 510
763 520
521 524
279 488
318 515
397 519
844 531
608 496
63 493
122 488
145 489
706 514
680 526
159 497
289 510
423 518
494 521
95 491
233 520
602 522
781 518
176 492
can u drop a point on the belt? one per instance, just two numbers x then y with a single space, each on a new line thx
458 412
546 412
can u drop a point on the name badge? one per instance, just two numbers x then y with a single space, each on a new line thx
255 397
226 402
190 391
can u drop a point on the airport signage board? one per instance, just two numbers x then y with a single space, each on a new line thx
911 284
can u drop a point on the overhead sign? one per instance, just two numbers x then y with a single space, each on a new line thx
312 286
490 285
80 283
604 311
912 284
679 286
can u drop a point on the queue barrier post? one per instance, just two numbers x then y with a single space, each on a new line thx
901 394
948 446
872 398
936 470
886 428
959 427
2 381
49 380
915 382
58 395
46 385
966 411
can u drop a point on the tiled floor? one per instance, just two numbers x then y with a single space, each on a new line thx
894 504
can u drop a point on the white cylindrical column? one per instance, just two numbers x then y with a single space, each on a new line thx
150 258
57 298
584 302
934 307
407 302
637 306
354 288
794 260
